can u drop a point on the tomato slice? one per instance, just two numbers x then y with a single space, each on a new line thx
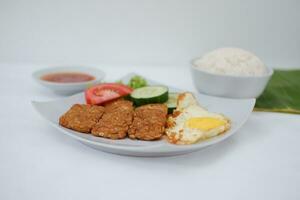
105 92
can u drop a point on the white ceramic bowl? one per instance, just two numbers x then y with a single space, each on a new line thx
229 86
69 88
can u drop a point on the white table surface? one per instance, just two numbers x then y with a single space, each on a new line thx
261 161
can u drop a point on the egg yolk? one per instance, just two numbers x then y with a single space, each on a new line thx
204 123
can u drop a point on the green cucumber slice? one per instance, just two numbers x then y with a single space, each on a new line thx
172 102
150 94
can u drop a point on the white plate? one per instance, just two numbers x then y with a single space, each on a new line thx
238 110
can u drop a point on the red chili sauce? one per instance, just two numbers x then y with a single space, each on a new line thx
67 77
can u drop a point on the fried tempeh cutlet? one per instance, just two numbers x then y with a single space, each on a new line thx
149 122
81 117
115 121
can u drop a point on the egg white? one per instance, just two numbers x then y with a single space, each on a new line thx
187 108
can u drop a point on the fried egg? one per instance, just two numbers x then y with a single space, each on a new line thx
191 122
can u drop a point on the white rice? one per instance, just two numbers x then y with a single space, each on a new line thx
231 61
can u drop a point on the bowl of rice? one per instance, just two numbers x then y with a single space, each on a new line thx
230 72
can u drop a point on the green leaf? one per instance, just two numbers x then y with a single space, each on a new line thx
137 82
282 93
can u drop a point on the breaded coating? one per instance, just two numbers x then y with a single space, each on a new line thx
149 122
81 117
115 121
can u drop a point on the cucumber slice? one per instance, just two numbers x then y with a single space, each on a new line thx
150 94
172 102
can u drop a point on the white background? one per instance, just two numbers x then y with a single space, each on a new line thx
136 32
37 162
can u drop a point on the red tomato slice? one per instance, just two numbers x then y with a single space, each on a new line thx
102 93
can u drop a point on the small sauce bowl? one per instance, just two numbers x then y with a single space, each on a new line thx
229 86
67 86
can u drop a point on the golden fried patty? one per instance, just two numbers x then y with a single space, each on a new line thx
149 122
81 117
115 121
